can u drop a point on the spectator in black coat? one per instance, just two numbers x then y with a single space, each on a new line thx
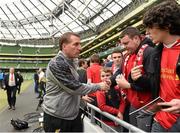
82 70
20 80
11 85
36 82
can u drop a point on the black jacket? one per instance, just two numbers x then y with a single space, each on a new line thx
36 78
146 61
82 75
151 80
148 41
20 78
6 81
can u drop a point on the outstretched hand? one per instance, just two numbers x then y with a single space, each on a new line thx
87 99
104 86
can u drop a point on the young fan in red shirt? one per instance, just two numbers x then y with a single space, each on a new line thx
93 73
163 23
110 101
117 57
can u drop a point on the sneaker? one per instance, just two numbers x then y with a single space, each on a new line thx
9 107
13 107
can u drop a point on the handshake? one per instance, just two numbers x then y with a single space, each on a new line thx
105 86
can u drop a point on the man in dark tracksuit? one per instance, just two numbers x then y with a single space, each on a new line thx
63 88
11 84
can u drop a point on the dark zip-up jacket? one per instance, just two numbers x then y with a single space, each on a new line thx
146 61
152 78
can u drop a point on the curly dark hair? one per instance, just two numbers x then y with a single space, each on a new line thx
165 15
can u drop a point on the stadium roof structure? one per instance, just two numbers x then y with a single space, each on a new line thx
27 19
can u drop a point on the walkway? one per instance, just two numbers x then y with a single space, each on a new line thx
26 103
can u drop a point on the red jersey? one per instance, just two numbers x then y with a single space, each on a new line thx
136 98
169 83
93 73
113 105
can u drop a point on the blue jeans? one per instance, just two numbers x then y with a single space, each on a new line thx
156 127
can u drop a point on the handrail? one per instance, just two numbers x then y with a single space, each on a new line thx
113 118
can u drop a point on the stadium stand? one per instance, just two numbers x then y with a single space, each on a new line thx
9 49
29 37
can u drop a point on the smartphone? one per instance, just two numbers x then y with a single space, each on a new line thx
165 106
118 76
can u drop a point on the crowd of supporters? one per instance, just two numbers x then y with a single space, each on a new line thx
147 69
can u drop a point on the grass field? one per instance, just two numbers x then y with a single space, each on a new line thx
3 95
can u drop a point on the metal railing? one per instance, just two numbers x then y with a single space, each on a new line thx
122 123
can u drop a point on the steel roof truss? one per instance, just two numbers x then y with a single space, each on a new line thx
7 26
91 9
49 18
35 17
18 22
27 19
10 21
72 10
56 17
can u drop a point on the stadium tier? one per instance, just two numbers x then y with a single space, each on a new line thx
25 50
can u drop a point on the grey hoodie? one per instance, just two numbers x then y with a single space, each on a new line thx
63 89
